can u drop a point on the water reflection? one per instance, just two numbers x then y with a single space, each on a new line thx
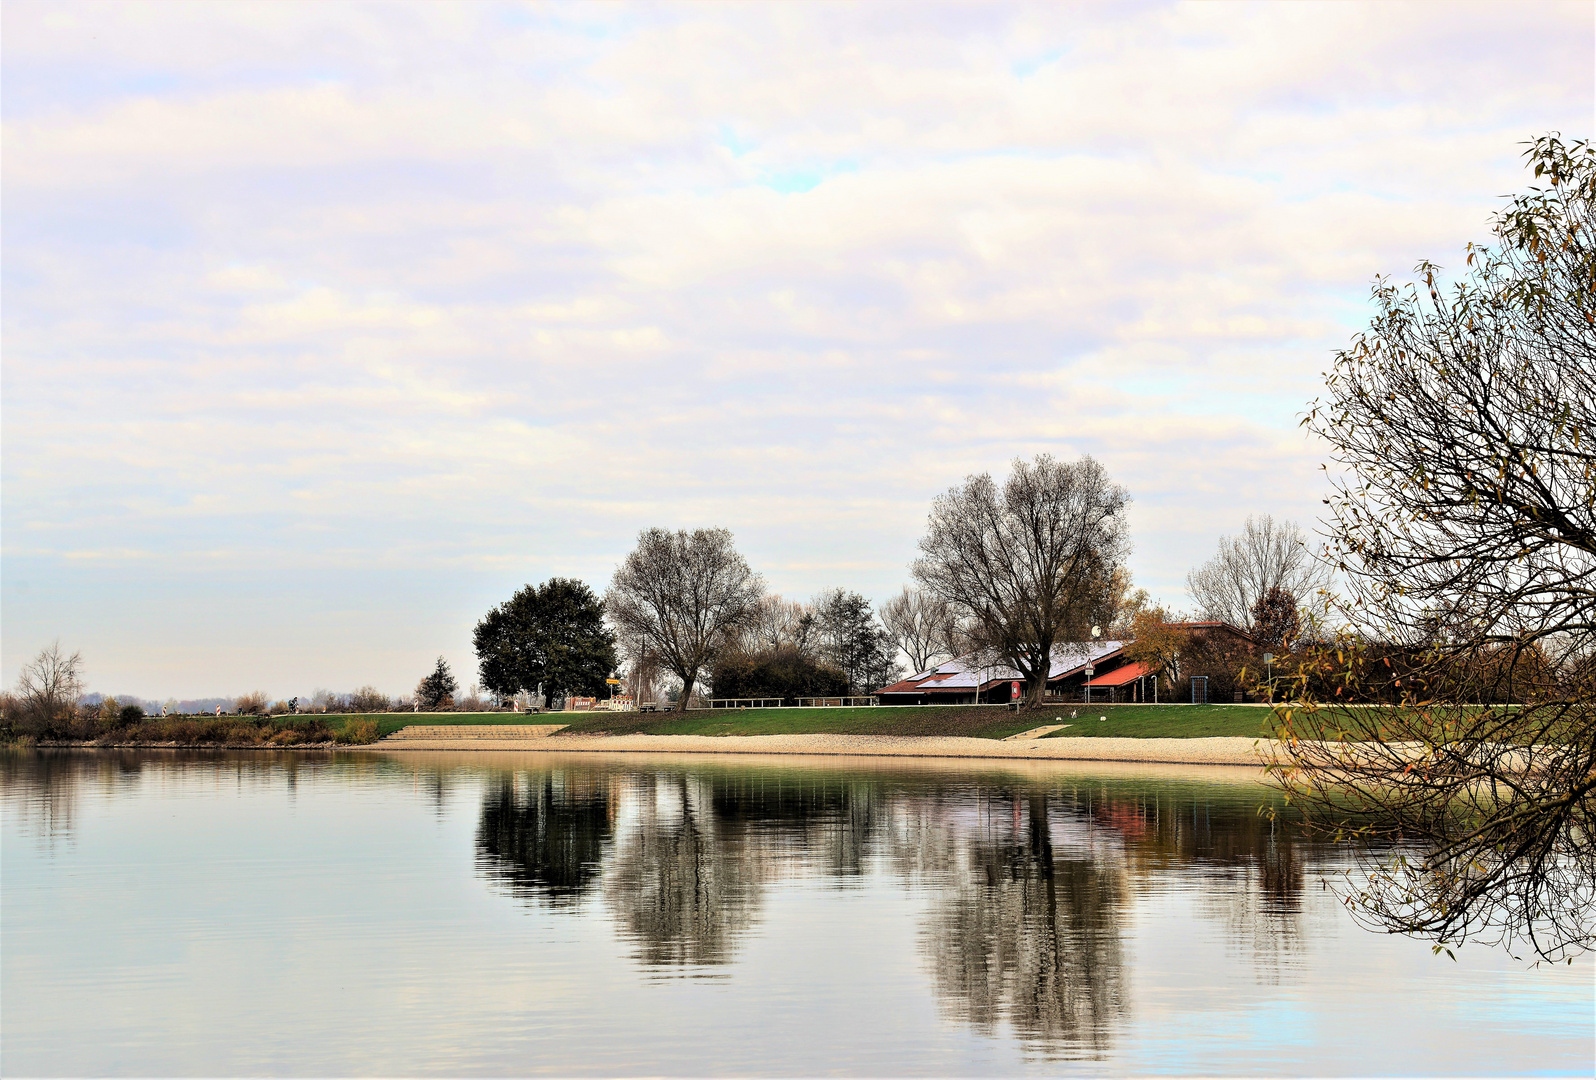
687 878
1026 881
1031 937
544 836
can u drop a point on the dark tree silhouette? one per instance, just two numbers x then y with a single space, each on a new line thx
1275 623
553 634
436 691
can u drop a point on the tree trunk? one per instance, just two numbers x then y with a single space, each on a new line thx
1035 690
687 692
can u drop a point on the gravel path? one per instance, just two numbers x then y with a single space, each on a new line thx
1217 751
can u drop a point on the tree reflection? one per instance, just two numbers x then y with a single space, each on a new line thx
543 837
836 816
683 889
1032 939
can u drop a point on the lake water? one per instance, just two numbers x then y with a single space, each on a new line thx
424 914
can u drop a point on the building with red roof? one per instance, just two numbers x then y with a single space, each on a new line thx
973 678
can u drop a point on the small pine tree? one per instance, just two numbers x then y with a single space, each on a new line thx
436 691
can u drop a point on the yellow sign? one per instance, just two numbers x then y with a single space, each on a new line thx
613 682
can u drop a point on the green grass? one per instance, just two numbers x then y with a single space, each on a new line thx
984 722
1162 721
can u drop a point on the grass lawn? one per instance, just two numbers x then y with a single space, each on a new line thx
987 721
982 722
1162 721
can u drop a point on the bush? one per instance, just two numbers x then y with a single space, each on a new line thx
357 731
369 699
782 672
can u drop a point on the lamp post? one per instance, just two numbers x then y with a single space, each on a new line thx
1091 665
1269 676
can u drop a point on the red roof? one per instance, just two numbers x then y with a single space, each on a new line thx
1122 675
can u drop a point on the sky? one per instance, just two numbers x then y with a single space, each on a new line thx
328 326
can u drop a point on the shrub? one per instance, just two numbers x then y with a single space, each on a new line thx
369 699
357 731
782 672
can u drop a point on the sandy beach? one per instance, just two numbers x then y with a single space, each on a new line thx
1216 751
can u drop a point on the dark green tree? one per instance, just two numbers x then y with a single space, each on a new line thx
782 672
436 691
552 634
852 640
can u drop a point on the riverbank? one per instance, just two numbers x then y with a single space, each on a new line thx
1105 732
1199 751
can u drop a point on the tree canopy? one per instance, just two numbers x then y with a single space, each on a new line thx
681 598
551 634
1031 563
1265 556
437 689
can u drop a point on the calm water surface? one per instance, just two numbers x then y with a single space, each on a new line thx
318 914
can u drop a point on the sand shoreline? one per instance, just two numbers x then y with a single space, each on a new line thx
1206 751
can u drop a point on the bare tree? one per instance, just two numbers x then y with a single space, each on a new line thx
921 624
683 596
49 688
1031 563
1267 555
1465 420
778 623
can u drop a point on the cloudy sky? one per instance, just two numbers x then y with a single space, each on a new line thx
327 326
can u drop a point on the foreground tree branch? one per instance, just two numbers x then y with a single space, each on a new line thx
1452 728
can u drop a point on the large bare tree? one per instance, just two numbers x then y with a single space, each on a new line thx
1464 420
1031 563
682 596
922 624
1266 555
